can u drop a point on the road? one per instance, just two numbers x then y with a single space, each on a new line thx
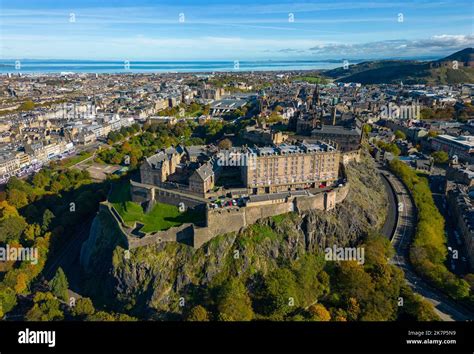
446 308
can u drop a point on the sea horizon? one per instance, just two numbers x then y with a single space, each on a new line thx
48 66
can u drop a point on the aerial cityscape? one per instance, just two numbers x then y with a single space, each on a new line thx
217 162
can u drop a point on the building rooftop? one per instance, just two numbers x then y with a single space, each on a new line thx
465 141
286 149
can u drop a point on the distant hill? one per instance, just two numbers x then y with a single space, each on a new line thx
440 71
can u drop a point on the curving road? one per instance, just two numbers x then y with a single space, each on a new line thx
402 234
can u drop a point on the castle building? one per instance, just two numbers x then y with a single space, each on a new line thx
263 170
156 169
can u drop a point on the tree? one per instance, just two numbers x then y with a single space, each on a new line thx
31 232
400 135
440 157
83 307
312 282
46 308
28 105
48 216
59 285
198 314
40 180
233 302
280 292
225 144
353 309
352 281
17 198
11 228
367 128
7 300
56 187
319 313
100 316
7 210
21 283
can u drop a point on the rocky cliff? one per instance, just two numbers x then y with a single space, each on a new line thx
159 280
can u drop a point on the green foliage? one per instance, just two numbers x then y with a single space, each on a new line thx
11 228
312 281
446 113
233 302
17 198
198 314
83 307
46 308
280 293
48 216
7 300
428 250
104 316
27 105
69 162
59 285
100 316
161 217
440 157
311 79
390 147
415 307
400 135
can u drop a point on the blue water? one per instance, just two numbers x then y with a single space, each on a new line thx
107 66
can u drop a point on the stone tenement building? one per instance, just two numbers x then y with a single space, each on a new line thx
289 167
460 203
262 170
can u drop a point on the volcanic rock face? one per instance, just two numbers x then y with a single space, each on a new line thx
158 279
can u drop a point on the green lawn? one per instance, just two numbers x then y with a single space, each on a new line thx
161 217
75 159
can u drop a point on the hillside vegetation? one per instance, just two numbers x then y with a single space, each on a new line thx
428 251
408 71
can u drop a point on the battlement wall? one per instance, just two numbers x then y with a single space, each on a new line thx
233 219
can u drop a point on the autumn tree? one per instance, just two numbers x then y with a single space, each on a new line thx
197 314
319 313
225 144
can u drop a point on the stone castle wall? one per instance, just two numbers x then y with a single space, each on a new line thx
221 221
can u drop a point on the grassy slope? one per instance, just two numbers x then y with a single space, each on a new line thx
394 71
161 217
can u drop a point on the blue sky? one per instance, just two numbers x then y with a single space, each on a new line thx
233 30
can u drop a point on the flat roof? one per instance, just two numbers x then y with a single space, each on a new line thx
286 149
464 140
